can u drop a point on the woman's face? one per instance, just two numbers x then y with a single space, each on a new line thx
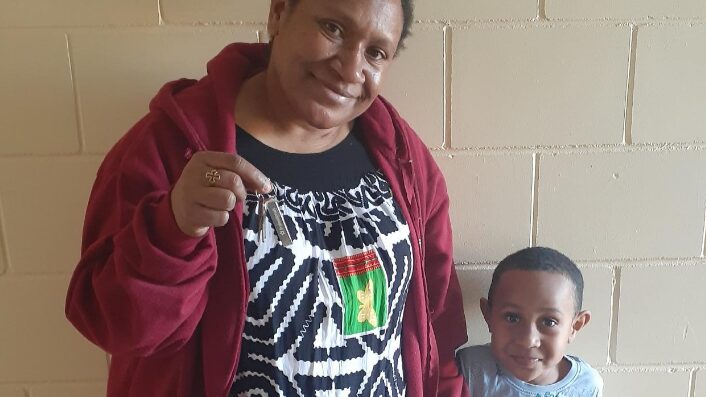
330 57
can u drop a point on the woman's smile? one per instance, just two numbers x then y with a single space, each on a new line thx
329 59
334 93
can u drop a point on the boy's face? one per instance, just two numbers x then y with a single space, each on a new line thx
531 321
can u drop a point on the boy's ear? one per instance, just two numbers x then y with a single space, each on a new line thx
277 8
581 319
485 309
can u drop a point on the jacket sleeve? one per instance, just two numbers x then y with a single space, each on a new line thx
444 292
140 286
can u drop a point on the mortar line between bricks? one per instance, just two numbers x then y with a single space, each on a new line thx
3 243
578 149
613 262
38 276
207 25
542 10
630 89
703 247
650 368
615 309
160 20
24 156
448 79
484 151
534 223
64 382
533 22
77 99
518 23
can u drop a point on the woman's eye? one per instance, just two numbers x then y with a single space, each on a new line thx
377 54
511 318
331 28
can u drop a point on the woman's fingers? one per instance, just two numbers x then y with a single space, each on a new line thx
198 219
250 176
205 217
209 186
216 198
228 181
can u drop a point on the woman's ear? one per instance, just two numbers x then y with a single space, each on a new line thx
274 20
580 321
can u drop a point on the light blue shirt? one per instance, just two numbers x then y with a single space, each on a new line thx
486 378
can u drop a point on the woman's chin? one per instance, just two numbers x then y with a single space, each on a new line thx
325 119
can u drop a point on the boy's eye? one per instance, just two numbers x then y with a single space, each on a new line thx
550 322
511 318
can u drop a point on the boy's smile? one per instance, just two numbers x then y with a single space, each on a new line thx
531 317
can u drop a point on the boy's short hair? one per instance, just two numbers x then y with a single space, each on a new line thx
545 260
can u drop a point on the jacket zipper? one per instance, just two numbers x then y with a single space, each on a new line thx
410 186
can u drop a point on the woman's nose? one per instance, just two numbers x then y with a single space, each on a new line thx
349 65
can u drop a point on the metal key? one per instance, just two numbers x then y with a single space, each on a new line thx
260 218
272 208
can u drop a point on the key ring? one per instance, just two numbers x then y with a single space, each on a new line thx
271 195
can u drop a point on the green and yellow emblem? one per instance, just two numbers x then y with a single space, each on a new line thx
364 291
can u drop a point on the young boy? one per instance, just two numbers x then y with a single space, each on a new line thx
533 312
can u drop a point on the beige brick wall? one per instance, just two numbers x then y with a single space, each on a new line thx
575 124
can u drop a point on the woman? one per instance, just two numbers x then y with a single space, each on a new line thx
333 278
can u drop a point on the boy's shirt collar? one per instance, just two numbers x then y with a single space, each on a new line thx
541 389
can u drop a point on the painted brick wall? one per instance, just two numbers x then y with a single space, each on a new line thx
574 124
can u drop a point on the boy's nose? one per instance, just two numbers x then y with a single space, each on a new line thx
528 337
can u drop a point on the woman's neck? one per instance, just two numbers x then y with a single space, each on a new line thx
270 122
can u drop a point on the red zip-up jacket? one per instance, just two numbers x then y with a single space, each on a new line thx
170 308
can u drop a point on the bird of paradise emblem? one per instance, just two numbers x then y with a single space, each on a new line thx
366 311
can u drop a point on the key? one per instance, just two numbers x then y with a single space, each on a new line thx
260 217
277 219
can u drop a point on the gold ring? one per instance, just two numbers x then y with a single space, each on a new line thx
212 176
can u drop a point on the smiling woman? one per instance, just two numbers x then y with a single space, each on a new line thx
326 67
276 228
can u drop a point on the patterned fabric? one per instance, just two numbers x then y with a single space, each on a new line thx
325 313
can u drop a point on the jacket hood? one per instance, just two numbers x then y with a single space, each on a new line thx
203 110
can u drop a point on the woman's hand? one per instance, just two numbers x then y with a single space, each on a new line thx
209 187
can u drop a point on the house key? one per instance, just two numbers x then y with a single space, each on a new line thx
268 204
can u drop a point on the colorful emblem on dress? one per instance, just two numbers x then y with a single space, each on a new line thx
364 291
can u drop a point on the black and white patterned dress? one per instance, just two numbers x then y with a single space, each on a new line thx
325 313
